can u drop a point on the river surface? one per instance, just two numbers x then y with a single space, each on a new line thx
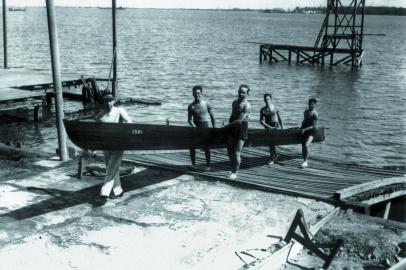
164 53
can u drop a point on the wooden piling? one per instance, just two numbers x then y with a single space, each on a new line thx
56 75
5 33
387 210
260 54
114 81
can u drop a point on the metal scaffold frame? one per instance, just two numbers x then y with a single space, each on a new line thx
340 38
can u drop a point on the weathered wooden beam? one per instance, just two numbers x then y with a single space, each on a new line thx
353 190
385 197
13 105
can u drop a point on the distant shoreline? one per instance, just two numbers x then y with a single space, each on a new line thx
369 10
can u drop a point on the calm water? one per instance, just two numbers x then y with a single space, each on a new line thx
163 53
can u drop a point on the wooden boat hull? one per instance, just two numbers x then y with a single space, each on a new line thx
93 135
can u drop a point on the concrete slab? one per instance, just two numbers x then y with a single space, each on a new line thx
164 220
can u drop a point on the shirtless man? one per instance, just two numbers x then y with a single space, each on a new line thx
199 112
237 129
269 117
308 129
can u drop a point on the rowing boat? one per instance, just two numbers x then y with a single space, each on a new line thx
92 135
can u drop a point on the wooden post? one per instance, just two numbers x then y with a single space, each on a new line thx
260 54
387 210
335 24
56 76
290 56
322 58
362 24
38 113
5 33
114 81
81 166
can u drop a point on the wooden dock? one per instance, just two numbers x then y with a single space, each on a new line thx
321 181
13 99
305 54
16 94
22 88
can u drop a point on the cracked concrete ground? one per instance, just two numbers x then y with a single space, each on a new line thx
165 220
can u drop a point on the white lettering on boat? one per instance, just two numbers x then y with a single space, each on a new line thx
137 132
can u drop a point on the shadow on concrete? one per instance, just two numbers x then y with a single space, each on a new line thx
62 199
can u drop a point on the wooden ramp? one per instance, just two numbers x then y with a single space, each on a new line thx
320 181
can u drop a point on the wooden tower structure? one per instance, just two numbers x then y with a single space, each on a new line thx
339 40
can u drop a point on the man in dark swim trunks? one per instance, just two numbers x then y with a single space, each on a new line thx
199 112
237 129
308 129
269 117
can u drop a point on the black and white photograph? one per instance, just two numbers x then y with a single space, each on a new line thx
203 134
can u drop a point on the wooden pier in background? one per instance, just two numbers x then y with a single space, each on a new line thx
339 40
273 53
324 180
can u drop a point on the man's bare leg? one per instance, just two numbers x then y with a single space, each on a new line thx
305 151
237 159
192 153
207 154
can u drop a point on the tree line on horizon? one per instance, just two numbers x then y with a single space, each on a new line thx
369 10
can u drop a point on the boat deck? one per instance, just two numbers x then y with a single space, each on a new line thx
320 181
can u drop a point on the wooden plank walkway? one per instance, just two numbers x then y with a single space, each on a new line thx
19 77
320 181
11 94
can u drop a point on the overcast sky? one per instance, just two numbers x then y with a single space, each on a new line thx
253 4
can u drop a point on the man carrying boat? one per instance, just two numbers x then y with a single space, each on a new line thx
237 129
199 112
308 129
112 185
269 117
